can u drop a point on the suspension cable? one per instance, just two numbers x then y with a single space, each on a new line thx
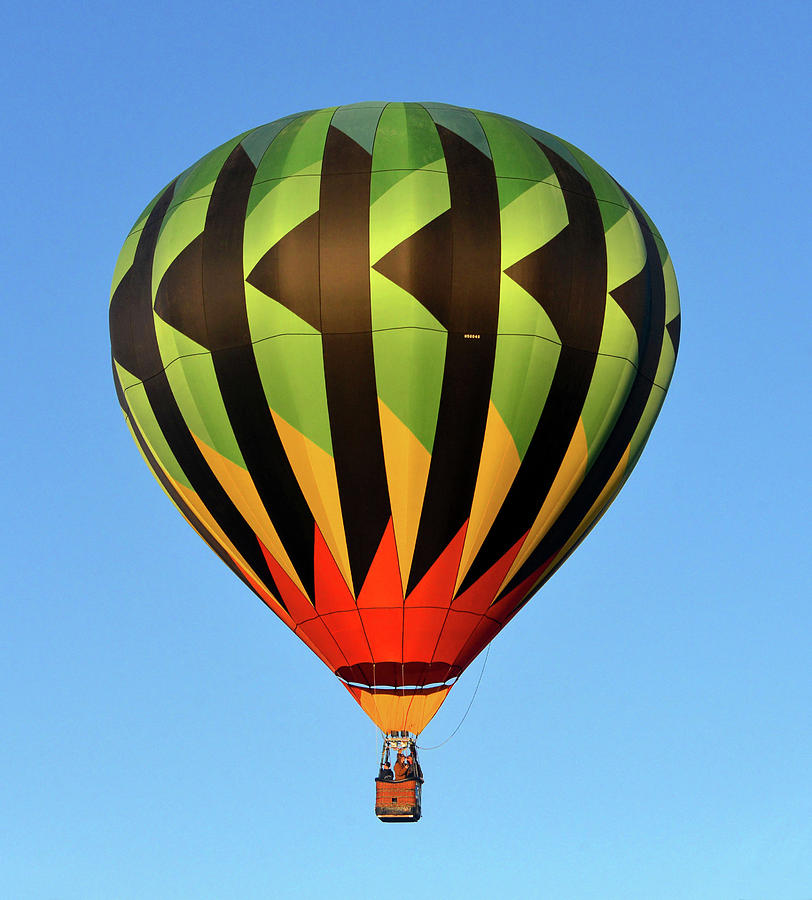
470 704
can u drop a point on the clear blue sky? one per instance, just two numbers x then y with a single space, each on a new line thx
658 746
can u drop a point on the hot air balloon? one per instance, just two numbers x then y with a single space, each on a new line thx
392 362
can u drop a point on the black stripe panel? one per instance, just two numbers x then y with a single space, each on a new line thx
179 298
132 330
649 286
421 265
633 298
236 368
289 271
546 274
470 312
223 290
567 276
349 363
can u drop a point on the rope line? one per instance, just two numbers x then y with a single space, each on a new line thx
470 704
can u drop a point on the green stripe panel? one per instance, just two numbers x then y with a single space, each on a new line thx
530 221
288 350
144 420
394 157
613 202
409 189
625 251
198 180
409 365
259 139
618 338
296 150
611 382
142 219
125 259
522 374
359 122
180 227
186 216
405 208
406 139
172 344
194 385
658 237
671 290
284 205
515 154
462 122
660 244
625 258
668 358
127 379
291 367
562 148
532 213
665 366
643 430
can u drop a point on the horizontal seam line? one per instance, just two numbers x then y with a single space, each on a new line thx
540 337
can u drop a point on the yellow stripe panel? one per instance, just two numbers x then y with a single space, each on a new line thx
498 466
243 494
315 471
407 470
569 477
402 712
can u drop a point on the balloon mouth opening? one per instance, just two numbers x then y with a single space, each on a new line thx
398 678
403 689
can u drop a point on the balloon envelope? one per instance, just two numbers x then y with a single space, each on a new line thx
392 361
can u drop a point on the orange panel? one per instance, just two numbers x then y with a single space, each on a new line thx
299 607
457 630
421 629
348 631
480 595
384 631
437 585
383 585
483 634
315 634
332 593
